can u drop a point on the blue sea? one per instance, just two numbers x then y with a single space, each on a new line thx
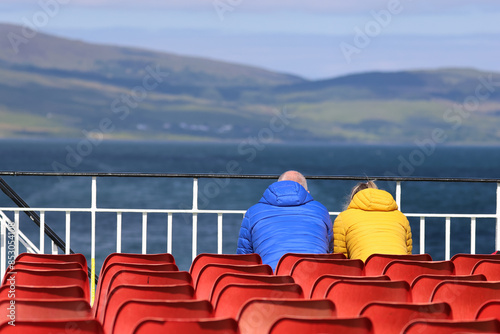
365 161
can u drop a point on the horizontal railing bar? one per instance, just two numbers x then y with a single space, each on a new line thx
241 176
162 211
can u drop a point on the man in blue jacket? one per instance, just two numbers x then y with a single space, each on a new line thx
286 220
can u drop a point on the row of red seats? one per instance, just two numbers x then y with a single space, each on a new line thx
126 287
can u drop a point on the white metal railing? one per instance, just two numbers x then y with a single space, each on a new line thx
17 235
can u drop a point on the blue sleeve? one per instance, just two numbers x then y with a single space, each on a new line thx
245 237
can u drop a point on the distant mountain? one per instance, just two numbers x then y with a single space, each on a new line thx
55 87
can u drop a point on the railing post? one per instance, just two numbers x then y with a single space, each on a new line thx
169 233
16 234
144 233
118 232
93 208
42 232
68 232
398 194
195 217
447 238
497 235
219 233
422 235
473 235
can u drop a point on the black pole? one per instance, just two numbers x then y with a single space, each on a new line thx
35 218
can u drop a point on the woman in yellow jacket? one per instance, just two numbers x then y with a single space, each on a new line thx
371 224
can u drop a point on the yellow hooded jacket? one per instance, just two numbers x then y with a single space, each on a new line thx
371 224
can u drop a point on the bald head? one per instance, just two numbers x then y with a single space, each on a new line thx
292 175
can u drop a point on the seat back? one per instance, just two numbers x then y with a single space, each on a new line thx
123 293
465 262
191 326
161 258
286 262
42 292
488 310
423 285
391 318
139 278
322 283
489 268
88 326
209 258
287 325
350 297
408 270
58 277
211 272
306 271
452 326
234 296
258 315
375 263
45 265
229 278
465 297
109 272
30 257
54 309
132 312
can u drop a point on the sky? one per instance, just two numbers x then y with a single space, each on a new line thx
315 39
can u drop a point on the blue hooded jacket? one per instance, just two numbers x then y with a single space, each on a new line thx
286 220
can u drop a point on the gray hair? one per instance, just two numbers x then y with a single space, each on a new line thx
293 175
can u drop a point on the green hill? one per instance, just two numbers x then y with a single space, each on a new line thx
55 87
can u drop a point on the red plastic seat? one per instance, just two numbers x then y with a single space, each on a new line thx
350 297
30 257
465 297
132 312
286 262
55 309
310 325
42 292
490 309
52 327
61 277
392 318
210 272
323 282
46 265
258 315
124 293
139 278
423 285
109 272
465 262
452 326
306 271
489 268
229 278
209 258
161 258
407 270
198 326
375 263
234 296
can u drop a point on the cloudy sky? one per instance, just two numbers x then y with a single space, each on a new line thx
314 39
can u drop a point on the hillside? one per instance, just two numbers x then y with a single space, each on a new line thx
55 87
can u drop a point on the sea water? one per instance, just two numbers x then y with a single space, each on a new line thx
365 161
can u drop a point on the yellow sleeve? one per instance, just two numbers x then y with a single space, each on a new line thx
339 237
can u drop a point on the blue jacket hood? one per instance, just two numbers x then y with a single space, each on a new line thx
286 193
